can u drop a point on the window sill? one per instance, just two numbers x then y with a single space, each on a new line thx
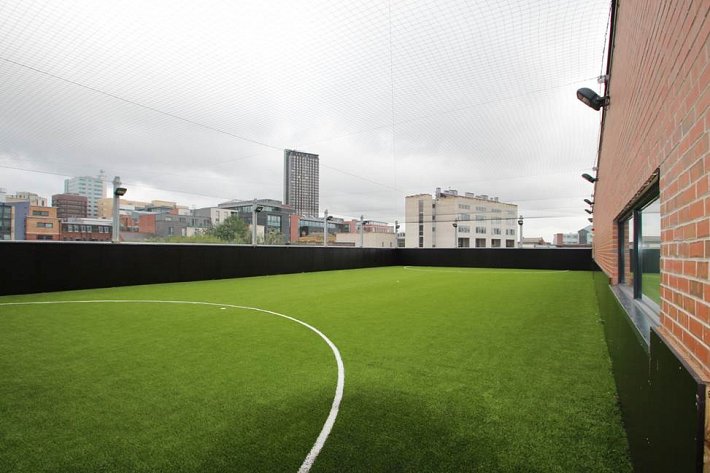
643 313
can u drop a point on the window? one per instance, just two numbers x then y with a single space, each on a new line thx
464 229
40 213
481 209
273 220
481 230
480 242
510 243
45 225
496 231
464 243
495 243
639 251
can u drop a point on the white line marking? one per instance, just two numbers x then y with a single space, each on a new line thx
334 408
469 270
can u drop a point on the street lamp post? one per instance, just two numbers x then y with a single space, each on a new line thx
456 236
362 231
520 222
118 191
326 219
254 211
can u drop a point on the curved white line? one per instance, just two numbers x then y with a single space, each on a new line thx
499 271
334 408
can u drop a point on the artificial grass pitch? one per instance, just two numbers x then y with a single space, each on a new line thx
446 369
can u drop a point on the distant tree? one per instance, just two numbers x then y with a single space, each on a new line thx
232 230
273 237
185 239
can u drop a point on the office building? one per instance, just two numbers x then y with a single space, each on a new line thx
6 217
85 229
301 182
274 216
450 220
93 188
70 205
42 224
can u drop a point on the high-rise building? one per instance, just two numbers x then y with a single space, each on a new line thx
301 182
94 188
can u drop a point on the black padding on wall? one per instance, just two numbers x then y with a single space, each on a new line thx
662 401
30 267
630 359
678 399
576 259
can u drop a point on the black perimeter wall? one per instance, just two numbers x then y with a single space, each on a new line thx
31 267
662 400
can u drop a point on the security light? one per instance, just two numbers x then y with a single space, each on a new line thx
329 218
120 191
589 178
590 219
589 202
588 211
258 208
591 99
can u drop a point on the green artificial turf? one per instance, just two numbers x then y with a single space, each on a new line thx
651 286
445 370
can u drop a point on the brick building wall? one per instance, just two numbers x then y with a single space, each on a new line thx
42 223
70 205
658 120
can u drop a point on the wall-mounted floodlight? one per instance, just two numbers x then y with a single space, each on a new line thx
592 99
588 211
589 202
589 178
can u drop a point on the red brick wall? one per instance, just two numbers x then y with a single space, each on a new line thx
146 224
658 119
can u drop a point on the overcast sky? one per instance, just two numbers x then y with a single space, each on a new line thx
397 98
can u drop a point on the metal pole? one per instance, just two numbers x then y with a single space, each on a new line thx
116 230
520 222
456 237
325 228
362 231
253 224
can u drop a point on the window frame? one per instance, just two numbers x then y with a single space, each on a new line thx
634 211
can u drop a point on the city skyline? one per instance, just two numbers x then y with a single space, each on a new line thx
393 101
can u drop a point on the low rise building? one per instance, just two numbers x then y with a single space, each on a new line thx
273 215
42 223
216 215
86 229
6 220
450 220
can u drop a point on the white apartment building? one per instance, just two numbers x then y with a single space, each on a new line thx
450 220
94 188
